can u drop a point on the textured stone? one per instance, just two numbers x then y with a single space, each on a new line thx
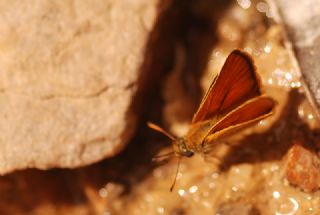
302 20
68 74
302 168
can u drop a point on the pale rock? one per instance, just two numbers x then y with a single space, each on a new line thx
68 75
301 20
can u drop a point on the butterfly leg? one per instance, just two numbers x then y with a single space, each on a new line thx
215 150
212 159
226 144
210 155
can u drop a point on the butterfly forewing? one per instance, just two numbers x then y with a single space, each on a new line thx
248 113
236 83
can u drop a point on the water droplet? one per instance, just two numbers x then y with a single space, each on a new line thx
212 185
148 198
207 204
103 192
262 7
215 175
247 49
276 194
181 192
267 48
286 207
301 112
216 53
160 210
245 4
288 76
106 213
234 189
193 189
310 116
274 168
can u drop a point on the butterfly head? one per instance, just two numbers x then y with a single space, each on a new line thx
179 144
180 148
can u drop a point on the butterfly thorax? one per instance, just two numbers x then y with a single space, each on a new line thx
195 138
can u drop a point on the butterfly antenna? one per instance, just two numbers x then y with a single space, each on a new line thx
155 158
161 130
175 177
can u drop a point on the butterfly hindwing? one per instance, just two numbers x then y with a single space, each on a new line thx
251 111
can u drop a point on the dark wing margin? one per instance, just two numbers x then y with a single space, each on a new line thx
236 83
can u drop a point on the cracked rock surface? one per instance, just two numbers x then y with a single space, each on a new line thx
68 74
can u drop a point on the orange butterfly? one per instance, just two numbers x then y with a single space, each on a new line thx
233 101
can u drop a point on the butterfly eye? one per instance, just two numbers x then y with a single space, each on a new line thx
188 153
182 149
